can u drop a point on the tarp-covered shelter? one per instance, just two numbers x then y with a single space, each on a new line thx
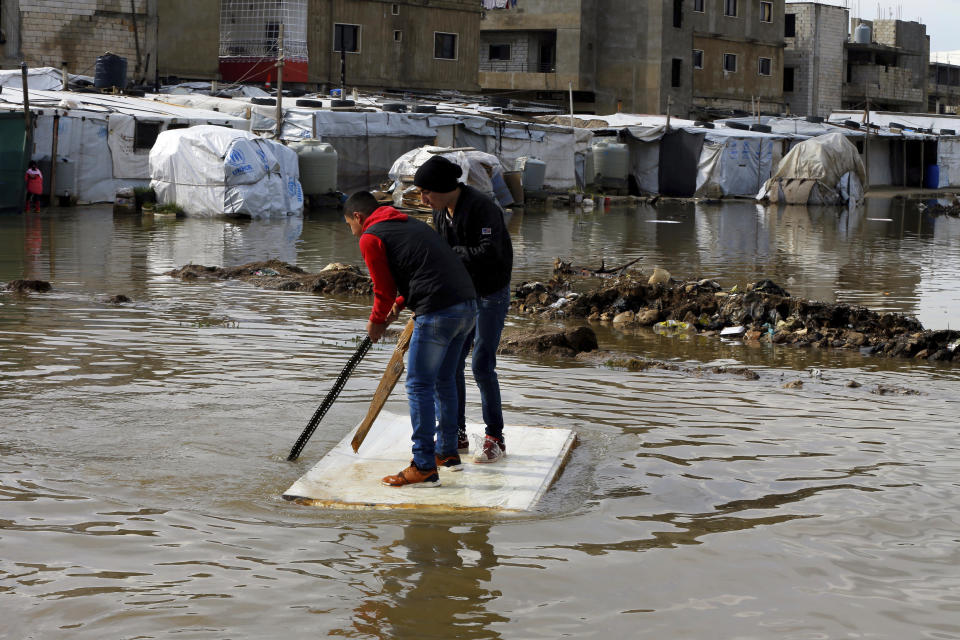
209 170
102 141
822 170
13 160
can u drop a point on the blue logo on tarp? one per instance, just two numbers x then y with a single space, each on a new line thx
102 133
236 157
294 190
238 160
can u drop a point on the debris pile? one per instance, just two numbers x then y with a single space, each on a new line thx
553 343
26 286
763 312
336 278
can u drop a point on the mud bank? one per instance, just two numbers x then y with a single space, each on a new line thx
336 278
764 312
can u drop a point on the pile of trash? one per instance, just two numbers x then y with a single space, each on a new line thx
336 278
762 312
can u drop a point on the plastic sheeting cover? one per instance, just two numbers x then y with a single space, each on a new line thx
824 163
478 167
210 170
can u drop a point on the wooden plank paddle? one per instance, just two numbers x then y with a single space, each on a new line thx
387 383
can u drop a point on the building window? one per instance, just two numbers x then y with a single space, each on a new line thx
395 9
499 52
444 45
730 62
790 25
675 71
698 6
788 79
730 8
763 66
697 59
677 13
398 36
766 12
346 37
145 134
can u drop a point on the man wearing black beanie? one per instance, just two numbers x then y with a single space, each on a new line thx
472 224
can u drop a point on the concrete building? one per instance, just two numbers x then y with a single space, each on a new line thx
622 55
813 69
888 62
49 33
387 45
943 83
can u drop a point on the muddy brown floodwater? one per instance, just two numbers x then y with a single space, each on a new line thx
142 443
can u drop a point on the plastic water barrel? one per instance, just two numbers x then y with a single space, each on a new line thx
534 173
318 166
862 35
110 71
501 190
66 184
589 170
931 178
611 161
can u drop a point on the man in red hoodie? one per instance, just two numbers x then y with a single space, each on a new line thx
411 266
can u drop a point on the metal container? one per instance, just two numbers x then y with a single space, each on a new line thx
534 173
318 166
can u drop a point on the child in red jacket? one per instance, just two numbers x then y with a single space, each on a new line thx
34 180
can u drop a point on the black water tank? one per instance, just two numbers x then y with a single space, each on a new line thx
110 71
395 107
762 128
425 108
737 125
272 102
341 103
307 102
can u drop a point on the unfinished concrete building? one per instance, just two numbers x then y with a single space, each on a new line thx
695 56
50 33
943 83
813 70
887 63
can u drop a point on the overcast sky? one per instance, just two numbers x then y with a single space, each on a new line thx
942 17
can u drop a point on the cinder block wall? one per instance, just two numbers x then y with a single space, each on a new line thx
816 54
77 31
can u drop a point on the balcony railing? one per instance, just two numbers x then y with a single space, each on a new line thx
509 66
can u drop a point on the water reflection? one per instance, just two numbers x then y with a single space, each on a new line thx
434 581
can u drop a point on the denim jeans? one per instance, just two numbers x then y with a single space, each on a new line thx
491 313
435 348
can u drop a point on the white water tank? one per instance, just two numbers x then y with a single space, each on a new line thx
318 166
861 35
611 161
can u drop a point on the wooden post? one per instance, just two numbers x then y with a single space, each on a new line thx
866 147
28 125
66 83
570 89
53 157
279 116
669 107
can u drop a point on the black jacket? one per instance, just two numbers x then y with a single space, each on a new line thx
479 235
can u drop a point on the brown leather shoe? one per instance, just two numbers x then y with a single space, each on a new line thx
413 477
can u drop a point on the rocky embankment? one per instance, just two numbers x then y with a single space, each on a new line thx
763 312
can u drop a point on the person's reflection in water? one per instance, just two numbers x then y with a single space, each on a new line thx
433 586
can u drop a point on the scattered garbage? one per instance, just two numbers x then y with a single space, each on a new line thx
673 328
733 331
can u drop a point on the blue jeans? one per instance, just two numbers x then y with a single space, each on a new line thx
492 311
435 347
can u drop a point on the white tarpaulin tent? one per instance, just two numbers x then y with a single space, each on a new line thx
40 78
822 170
210 170
479 168
735 162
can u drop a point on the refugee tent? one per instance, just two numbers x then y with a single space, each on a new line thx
209 170
735 162
480 170
102 141
822 170
41 78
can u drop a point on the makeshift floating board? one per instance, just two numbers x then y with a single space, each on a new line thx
347 480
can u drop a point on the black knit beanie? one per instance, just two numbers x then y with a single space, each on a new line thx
437 174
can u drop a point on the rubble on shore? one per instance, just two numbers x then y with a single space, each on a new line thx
336 278
763 312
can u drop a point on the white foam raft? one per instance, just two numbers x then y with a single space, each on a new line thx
347 480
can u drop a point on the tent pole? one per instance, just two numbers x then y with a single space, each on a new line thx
279 116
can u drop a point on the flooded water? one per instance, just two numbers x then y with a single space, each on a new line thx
142 445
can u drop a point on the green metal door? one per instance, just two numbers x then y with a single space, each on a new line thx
12 160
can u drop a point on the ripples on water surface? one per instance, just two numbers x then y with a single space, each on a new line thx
142 445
